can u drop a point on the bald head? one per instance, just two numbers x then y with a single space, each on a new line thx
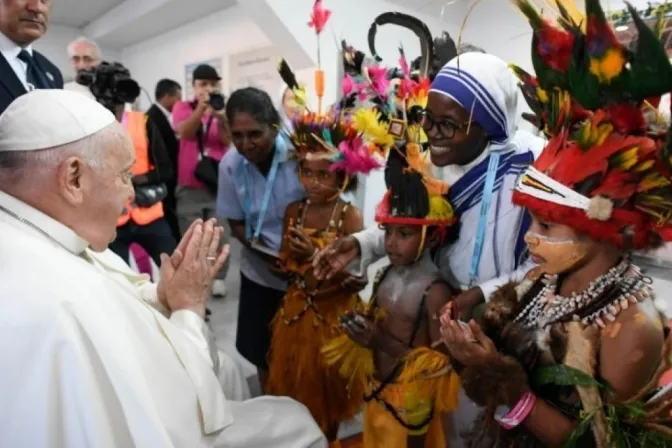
84 54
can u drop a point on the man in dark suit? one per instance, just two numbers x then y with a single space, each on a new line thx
167 93
22 22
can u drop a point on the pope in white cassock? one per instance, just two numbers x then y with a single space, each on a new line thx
95 355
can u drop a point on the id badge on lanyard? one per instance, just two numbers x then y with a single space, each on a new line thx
250 235
488 190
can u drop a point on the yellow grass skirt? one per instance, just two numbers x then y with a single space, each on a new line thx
296 365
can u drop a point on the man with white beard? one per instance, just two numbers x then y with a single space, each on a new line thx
94 354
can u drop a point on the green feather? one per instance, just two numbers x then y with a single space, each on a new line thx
584 86
650 67
594 9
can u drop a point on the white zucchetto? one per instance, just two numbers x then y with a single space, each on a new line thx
46 118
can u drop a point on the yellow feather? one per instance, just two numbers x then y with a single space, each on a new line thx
428 374
440 208
354 362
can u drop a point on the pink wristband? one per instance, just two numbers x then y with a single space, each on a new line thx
519 413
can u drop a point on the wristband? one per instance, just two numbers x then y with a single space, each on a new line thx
509 419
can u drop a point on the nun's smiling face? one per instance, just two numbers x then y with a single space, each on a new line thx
453 140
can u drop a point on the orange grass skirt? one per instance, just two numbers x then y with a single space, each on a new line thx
296 366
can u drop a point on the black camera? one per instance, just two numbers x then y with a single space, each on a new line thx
217 101
110 83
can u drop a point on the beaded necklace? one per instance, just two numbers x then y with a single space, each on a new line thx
624 281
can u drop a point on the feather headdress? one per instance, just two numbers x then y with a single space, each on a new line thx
387 108
330 136
604 172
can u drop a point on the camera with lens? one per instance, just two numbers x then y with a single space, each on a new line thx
217 101
110 83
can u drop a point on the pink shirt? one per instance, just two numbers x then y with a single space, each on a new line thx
188 154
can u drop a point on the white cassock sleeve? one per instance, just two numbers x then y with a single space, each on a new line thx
372 248
258 425
191 324
68 386
228 371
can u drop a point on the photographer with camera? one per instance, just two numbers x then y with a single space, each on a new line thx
142 221
204 139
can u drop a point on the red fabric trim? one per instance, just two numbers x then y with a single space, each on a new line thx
643 232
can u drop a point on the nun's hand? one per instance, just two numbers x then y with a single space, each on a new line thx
335 257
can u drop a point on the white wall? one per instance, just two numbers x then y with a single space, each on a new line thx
217 35
54 46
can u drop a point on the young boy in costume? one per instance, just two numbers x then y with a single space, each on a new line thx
572 356
408 384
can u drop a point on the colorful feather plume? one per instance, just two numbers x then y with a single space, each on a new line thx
355 157
588 96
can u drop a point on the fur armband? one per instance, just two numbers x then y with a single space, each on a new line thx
501 382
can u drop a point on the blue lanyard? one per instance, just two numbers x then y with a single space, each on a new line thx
490 177
280 148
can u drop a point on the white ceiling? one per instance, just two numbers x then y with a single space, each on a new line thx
79 13
490 7
116 24
168 17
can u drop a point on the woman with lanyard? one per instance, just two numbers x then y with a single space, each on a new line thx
256 183
470 122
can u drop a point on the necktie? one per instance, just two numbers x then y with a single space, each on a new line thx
34 75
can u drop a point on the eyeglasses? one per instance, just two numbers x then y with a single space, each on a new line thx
445 128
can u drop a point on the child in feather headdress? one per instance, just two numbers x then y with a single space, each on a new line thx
408 384
310 311
330 154
572 356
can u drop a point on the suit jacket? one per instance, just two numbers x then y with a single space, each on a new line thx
12 88
167 134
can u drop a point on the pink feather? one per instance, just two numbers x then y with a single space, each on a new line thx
356 158
348 85
403 63
319 17
378 76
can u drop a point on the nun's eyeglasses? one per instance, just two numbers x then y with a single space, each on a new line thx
445 128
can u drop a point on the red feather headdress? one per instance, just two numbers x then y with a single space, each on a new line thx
603 172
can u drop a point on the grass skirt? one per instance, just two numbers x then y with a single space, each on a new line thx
297 367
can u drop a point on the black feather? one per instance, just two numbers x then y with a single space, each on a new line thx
408 194
409 22
444 51
287 74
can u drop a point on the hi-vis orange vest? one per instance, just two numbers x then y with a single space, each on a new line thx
135 124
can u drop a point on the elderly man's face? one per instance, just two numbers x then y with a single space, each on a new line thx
83 56
24 21
106 191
